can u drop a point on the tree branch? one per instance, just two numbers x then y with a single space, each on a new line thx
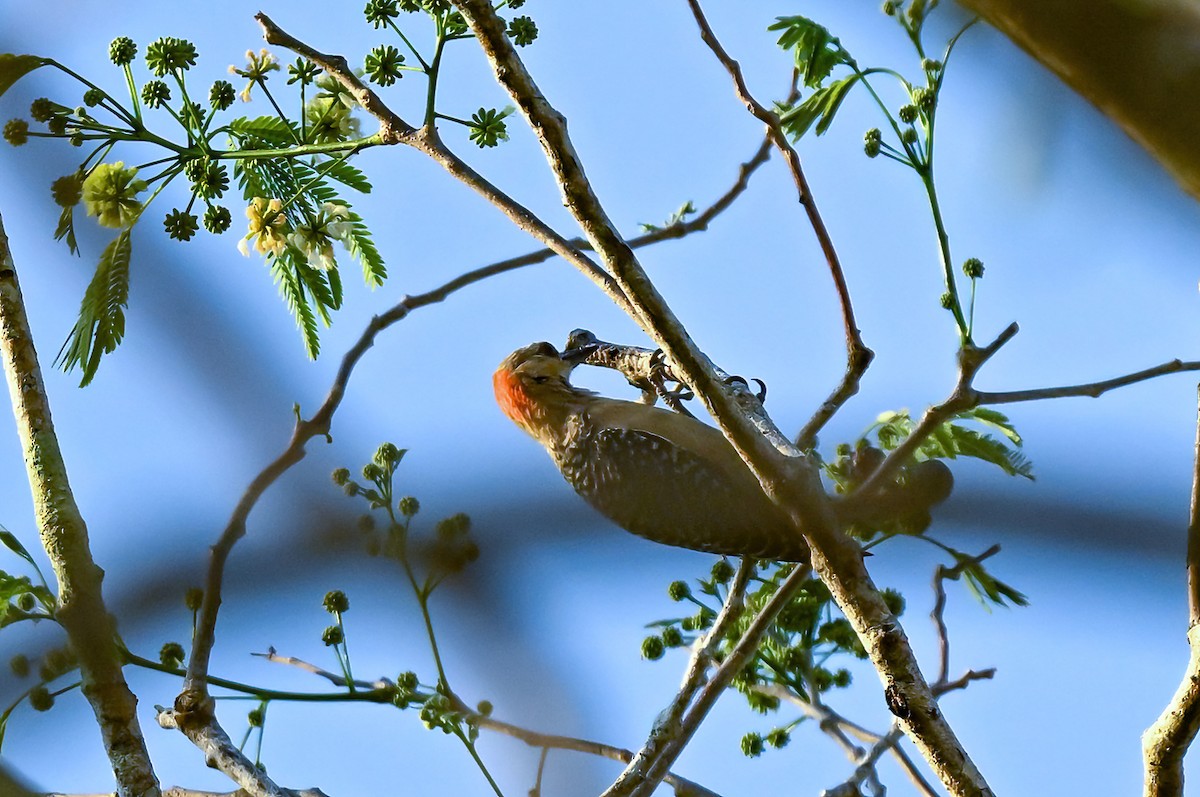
1166 741
787 477
80 610
858 356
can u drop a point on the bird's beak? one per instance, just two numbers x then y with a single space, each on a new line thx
575 356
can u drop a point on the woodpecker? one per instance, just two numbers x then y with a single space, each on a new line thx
659 474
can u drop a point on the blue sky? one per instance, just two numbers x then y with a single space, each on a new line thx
1088 245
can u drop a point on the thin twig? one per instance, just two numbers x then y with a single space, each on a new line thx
643 784
1166 741
858 356
1092 389
667 726
940 576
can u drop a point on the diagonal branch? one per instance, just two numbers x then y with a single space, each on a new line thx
1092 389
1166 741
858 356
80 609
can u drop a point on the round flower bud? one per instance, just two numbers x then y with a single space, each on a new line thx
947 300
872 141
217 219
256 717
221 95
484 708
336 602
155 93
40 699
333 635
341 476
752 745
92 98
973 268
407 681
909 136
193 598
908 114
409 506
19 664
42 109
122 50
171 654
181 225
16 132
672 637
678 590
722 571
652 648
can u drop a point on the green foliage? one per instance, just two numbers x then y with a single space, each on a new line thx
815 49
678 217
14 67
101 324
952 440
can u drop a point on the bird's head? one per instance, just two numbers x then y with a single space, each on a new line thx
533 386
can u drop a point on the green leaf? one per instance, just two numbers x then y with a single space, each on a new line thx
994 419
291 288
13 544
986 588
101 324
815 49
12 586
347 175
362 249
821 107
66 229
14 67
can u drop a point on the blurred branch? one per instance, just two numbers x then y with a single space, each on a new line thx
858 356
1136 60
1166 741
80 607
179 791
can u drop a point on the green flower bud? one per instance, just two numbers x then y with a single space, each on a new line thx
872 141
387 454
256 717
168 54
43 109
484 708
652 648
193 598
217 219
407 681
76 140
67 190
383 65
57 124
931 66
336 602
752 745
122 50
842 678
679 590
908 114
350 488
380 12
221 95
155 93
409 506
16 132
333 635
522 30
40 699
19 664
947 300
779 738
722 571
973 268
672 637
26 602
341 476
92 98
181 225
926 99
171 654
909 136
372 472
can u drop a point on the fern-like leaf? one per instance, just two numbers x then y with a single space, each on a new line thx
101 324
